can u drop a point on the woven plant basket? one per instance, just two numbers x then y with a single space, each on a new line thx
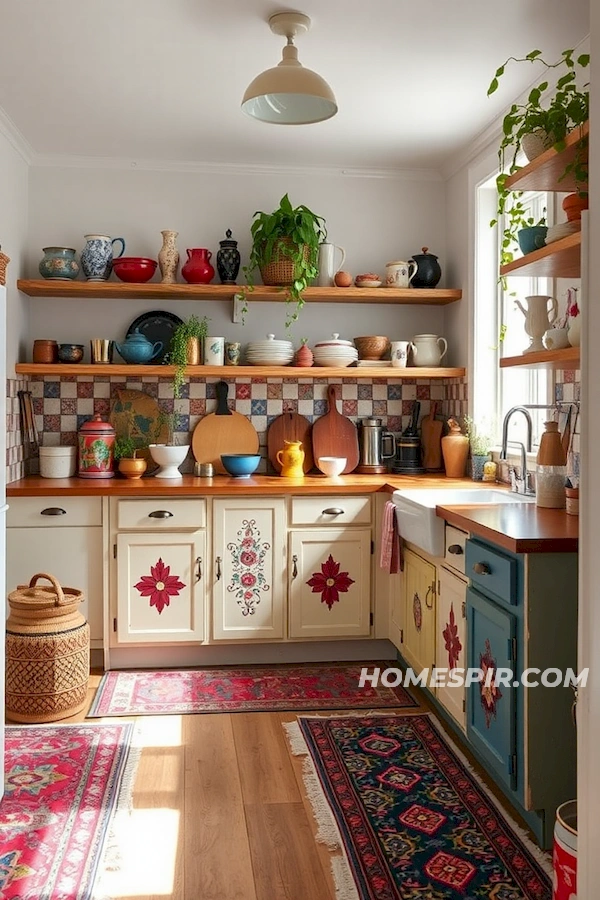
280 271
47 652
4 261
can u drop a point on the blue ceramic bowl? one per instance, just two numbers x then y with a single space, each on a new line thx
240 465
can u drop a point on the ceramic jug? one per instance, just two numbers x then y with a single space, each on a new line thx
428 269
538 318
97 256
326 264
399 274
59 263
197 269
427 349
138 349
291 459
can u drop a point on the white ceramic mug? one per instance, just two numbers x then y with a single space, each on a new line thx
399 354
555 338
399 274
214 351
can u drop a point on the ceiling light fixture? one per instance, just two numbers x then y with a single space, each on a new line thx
289 94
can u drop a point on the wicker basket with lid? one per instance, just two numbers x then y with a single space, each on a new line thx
47 652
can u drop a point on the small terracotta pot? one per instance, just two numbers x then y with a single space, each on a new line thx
573 205
132 468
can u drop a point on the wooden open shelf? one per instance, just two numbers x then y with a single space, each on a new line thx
559 259
120 290
132 372
544 172
566 358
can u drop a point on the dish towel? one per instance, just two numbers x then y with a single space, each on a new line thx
390 557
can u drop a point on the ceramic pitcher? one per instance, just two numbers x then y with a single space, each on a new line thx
538 318
291 459
326 264
97 256
427 349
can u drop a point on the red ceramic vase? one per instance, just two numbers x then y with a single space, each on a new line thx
198 269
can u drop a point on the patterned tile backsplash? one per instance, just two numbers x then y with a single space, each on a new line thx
62 404
568 388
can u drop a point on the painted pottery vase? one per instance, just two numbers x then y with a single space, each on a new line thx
97 256
455 449
291 459
168 258
96 441
304 356
198 269
228 260
59 263
428 269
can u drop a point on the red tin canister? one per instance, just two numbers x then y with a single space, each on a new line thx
564 855
96 449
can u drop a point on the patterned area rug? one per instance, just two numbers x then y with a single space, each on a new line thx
413 820
62 787
243 689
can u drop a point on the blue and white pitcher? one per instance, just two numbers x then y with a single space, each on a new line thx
97 256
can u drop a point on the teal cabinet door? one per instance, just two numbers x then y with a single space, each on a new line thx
491 709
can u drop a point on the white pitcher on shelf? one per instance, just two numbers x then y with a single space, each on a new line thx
326 264
427 350
538 319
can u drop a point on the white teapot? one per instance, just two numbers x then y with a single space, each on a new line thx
427 350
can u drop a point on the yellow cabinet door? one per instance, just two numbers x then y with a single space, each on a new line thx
419 583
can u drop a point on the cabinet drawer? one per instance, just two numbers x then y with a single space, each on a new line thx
455 541
492 571
331 510
161 514
53 512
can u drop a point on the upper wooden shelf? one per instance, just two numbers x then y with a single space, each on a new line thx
544 173
117 289
566 358
133 371
559 259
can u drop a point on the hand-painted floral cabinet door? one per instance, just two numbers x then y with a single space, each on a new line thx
330 586
491 709
161 587
450 641
419 589
247 579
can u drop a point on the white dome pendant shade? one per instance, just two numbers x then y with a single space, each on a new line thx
289 94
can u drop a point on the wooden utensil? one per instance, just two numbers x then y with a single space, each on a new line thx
431 440
223 431
566 435
290 426
335 435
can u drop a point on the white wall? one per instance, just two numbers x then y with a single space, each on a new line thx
375 219
13 237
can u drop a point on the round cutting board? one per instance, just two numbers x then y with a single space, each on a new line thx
223 431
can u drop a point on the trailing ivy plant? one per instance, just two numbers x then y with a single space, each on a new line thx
178 349
292 232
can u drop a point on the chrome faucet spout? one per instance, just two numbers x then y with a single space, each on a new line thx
519 484
505 424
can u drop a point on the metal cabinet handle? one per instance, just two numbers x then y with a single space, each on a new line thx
456 549
333 511
430 590
482 568
218 570
160 514
198 568
53 511
295 568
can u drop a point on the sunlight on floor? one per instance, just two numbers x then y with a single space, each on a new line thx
157 731
147 855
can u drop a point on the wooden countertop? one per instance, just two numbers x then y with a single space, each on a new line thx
521 528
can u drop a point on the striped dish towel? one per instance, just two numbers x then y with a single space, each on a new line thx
390 557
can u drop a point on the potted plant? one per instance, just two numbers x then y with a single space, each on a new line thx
480 441
186 348
125 451
285 248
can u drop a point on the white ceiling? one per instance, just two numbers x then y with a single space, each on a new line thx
162 80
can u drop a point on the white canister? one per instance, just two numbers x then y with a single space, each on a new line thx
399 274
58 462
399 354
214 351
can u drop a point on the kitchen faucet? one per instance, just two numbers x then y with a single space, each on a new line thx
521 484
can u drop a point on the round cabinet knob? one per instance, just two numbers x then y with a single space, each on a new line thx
456 549
482 568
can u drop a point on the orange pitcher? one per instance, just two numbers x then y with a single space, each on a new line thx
291 459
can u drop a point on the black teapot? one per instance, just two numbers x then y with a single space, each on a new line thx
428 270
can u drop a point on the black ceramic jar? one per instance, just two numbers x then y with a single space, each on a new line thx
228 260
428 270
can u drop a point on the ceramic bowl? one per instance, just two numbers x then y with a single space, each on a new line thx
169 457
135 269
332 465
70 353
368 282
372 346
240 465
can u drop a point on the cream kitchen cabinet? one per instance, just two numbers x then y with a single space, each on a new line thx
419 588
450 641
248 569
62 536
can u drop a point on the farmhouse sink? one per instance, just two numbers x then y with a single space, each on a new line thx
418 523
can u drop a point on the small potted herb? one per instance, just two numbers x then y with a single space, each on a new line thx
125 451
186 348
480 441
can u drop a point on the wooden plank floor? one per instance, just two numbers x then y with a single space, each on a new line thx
219 813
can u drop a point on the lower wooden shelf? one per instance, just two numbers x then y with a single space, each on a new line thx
230 372
566 358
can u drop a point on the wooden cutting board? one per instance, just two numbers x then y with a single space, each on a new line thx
223 431
431 440
335 435
290 426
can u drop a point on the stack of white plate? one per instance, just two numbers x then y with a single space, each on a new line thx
334 352
269 352
556 232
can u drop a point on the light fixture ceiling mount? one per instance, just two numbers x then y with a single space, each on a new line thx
289 94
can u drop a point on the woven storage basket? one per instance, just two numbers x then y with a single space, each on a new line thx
47 652
4 261
280 271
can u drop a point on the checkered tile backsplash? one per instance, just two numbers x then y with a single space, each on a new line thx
567 388
61 405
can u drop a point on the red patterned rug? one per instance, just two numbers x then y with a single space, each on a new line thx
62 787
243 689
413 820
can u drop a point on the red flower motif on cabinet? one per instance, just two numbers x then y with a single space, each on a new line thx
248 578
452 640
330 582
489 691
160 586
417 612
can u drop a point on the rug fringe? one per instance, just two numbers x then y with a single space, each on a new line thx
345 886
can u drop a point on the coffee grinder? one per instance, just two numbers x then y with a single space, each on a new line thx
408 447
